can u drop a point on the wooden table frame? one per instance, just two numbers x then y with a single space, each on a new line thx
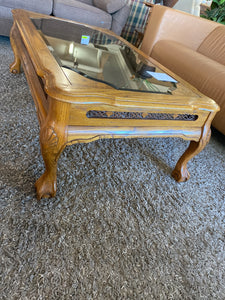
66 105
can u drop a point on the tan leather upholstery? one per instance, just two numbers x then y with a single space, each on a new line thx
191 47
214 45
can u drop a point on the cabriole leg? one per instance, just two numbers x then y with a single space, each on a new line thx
180 173
15 66
51 148
53 139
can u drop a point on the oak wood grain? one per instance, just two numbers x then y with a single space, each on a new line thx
64 100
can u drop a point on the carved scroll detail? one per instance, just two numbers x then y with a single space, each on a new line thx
49 141
51 147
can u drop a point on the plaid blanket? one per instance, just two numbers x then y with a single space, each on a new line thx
136 20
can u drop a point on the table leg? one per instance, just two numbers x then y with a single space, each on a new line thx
15 66
180 173
51 148
53 139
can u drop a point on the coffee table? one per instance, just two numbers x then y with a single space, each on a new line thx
88 84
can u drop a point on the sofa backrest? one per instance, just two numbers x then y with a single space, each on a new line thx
40 6
214 45
170 24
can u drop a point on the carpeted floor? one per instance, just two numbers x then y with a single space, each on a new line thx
120 227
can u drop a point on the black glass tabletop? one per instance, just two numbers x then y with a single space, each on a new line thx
102 57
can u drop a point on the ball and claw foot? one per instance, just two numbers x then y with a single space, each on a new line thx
14 71
180 175
15 67
45 187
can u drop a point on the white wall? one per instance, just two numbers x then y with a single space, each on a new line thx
190 6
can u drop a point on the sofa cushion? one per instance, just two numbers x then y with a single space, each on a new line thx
6 20
89 2
82 12
5 12
109 6
119 19
197 69
40 6
214 45
205 74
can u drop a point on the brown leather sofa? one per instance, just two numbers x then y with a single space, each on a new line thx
191 47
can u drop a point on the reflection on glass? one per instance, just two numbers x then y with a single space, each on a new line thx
100 57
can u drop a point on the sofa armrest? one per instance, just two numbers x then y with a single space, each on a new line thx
170 24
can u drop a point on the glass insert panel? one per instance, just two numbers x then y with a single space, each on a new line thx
101 57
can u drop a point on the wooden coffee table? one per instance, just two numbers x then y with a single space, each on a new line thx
88 83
